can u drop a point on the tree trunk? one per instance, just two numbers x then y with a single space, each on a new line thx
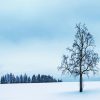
81 83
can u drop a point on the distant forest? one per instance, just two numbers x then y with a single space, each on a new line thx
11 78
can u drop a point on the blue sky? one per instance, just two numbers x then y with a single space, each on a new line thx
35 33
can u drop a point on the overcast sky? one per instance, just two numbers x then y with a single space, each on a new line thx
34 34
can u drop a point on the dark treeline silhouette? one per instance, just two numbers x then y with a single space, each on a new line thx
11 78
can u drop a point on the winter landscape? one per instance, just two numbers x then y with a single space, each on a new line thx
49 50
50 91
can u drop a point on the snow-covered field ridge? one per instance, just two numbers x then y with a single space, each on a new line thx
50 91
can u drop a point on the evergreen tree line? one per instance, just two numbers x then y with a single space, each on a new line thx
11 78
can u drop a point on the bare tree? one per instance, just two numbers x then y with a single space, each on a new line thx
81 59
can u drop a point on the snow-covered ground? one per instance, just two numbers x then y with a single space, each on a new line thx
50 91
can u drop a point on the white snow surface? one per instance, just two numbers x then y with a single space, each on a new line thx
50 91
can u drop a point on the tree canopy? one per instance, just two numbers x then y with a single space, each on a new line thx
82 59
